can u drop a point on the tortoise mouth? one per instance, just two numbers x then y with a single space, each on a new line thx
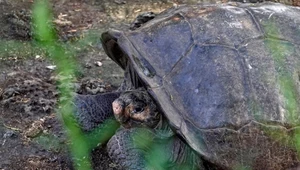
136 109
118 109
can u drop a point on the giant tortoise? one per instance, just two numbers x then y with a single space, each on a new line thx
214 86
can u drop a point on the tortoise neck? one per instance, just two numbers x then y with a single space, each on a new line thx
163 124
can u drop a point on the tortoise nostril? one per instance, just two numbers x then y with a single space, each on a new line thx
117 107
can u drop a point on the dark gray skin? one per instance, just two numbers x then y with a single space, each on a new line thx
143 131
225 80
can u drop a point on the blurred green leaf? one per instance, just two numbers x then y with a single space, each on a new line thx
45 36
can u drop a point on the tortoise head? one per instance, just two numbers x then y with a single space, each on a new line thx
136 109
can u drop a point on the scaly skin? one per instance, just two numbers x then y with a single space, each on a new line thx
147 141
142 145
147 149
93 110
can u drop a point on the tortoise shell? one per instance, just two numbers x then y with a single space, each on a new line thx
226 76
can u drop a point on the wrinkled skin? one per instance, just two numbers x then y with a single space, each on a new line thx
143 132
136 109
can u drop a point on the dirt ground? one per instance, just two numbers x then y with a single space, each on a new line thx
31 135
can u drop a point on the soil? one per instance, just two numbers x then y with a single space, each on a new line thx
31 134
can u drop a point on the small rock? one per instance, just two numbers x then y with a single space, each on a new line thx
88 65
9 134
98 63
51 67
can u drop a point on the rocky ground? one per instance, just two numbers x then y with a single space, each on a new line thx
31 134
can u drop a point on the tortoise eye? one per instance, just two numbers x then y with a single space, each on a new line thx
138 110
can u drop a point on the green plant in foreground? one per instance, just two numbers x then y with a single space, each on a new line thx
286 82
46 37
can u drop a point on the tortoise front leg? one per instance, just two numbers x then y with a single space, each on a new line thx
147 149
93 110
95 116
125 151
